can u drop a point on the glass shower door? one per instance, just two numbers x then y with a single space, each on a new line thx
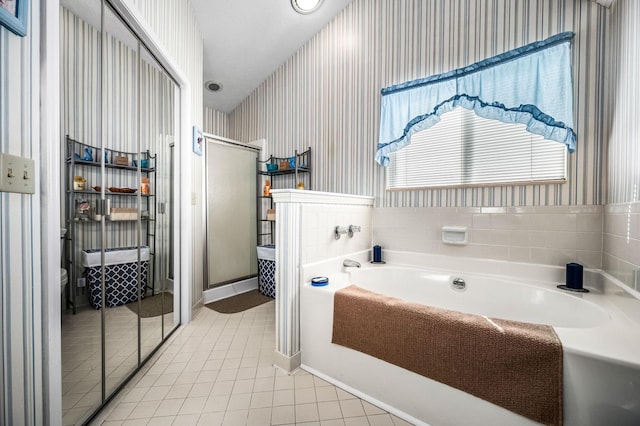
231 212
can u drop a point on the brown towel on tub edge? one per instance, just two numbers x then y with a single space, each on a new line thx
512 364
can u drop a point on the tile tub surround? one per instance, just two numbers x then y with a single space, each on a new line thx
550 235
621 240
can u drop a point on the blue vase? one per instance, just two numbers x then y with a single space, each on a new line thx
88 154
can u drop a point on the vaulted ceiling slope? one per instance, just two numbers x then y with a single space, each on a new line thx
246 41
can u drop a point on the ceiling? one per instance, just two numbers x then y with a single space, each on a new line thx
246 41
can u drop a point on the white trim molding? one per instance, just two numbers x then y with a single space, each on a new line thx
317 197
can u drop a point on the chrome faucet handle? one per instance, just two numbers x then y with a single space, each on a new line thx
352 229
338 230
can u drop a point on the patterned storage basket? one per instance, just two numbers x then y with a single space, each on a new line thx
267 270
121 275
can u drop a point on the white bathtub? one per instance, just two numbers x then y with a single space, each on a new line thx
600 334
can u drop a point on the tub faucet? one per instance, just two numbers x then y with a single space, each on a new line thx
350 263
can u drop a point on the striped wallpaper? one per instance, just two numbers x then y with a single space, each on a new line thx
216 122
327 95
621 251
622 103
174 23
21 279
121 129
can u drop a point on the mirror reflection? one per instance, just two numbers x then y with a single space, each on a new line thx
81 324
156 91
118 125
124 243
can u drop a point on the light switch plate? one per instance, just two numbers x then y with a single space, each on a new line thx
17 174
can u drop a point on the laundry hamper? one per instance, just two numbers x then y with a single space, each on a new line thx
121 275
267 270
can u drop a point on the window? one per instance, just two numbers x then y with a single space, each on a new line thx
466 150
529 87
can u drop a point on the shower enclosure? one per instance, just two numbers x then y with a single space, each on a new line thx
231 211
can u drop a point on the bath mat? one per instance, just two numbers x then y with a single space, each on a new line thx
512 364
239 302
151 306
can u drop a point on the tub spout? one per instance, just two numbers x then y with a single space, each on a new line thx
350 263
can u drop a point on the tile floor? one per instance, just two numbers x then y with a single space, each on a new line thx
81 354
218 370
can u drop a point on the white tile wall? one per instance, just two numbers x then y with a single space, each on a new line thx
317 233
547 235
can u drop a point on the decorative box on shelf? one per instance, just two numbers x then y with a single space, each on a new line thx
283 165
271 214
123 213
121 160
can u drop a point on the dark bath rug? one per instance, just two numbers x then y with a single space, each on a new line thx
239 302
151 306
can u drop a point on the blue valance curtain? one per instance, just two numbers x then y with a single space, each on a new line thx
529 85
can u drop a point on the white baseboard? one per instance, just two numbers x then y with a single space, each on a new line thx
229 290
286 363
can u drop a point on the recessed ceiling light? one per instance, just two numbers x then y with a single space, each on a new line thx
305 6
212 86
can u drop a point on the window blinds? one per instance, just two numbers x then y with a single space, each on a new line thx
464 149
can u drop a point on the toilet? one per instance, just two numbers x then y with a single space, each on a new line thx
63 272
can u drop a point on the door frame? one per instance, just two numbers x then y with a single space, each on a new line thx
242 285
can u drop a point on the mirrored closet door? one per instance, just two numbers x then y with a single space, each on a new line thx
119 116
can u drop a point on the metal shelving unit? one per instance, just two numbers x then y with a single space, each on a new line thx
298 170
76 165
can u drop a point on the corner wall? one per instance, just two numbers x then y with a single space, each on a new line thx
216 122
622 212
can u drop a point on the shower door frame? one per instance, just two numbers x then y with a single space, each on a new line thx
251 279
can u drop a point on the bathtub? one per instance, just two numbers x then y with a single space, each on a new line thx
599 331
